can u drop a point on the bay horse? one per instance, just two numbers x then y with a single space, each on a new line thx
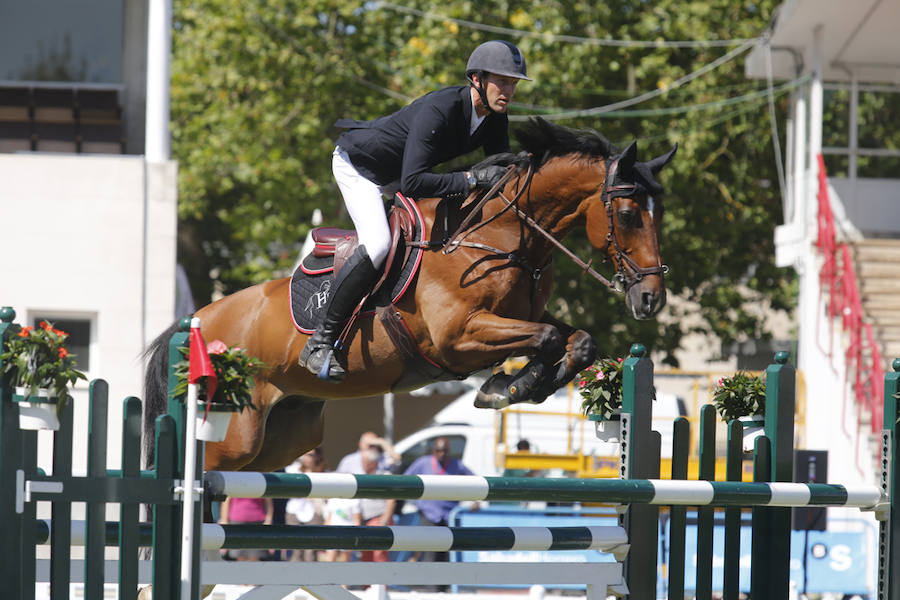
473 305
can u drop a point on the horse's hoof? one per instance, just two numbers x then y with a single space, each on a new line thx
491 400
494 392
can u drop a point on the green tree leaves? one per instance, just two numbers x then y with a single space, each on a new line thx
256 87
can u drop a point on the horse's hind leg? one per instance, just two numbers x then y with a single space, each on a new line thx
295 426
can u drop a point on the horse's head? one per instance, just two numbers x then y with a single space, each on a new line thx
618 197
623 220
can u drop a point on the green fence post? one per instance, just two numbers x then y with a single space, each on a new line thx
760 528
176 407
780 402
640 446
166 528
681 441
129 511
889 531
10 449
734 466
95 512
61 509
706 514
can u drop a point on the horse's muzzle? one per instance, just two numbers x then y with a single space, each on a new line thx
645 297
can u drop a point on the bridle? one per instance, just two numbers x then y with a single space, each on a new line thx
610 191
620 281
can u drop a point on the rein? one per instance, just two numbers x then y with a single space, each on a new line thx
609 192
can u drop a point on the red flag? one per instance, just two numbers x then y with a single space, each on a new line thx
199 363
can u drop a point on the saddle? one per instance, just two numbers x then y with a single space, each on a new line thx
311 284
341 243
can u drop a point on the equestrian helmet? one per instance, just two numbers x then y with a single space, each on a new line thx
498 57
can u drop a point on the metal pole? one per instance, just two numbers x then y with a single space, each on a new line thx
159 45
389 417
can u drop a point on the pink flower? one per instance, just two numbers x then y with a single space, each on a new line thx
621 360
720 382
582 383
216 347
600 375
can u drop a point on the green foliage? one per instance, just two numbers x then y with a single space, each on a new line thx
256 87
235 372
38 358
601 387
741 395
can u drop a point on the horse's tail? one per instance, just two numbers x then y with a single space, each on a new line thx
156 389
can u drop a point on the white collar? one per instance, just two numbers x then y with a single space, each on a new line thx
476 120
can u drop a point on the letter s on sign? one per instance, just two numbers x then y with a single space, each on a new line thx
840 557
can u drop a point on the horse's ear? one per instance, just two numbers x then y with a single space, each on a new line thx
660 161
628 157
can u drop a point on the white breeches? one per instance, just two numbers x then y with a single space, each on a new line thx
364 202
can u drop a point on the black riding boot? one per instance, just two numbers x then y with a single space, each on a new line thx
353 282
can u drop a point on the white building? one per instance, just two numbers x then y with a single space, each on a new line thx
829 45
89 215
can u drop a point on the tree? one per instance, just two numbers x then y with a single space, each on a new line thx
257 86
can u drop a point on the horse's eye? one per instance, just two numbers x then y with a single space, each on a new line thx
628 217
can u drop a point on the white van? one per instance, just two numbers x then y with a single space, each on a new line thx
557 433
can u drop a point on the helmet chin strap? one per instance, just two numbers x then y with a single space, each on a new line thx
482 93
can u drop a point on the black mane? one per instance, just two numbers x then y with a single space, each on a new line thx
545 139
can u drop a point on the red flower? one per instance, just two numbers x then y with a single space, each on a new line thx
25 331
45 325
216 347
63 353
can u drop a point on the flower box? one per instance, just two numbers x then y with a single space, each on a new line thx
37 411
608 427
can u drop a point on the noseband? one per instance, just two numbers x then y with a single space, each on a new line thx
620 281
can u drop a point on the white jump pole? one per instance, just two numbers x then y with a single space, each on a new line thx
189 487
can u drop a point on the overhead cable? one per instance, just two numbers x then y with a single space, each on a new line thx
592 112
552 37
675 110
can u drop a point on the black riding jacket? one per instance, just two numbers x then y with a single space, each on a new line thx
407 144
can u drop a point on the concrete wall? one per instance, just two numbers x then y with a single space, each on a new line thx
872 205
92 237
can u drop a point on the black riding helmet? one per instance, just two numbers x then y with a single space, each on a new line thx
498 57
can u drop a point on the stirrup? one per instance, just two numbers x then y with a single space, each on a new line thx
330 370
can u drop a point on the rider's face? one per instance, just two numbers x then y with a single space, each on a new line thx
499 90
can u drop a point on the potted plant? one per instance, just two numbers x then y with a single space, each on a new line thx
743 397
235 371
42 370
601 392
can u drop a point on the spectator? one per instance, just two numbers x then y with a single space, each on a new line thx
247 510
436 512
352 463
375 511
523 447
340 511
306 511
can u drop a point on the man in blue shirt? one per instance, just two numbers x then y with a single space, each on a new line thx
439 462
435 512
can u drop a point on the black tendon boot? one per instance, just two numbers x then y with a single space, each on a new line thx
353 282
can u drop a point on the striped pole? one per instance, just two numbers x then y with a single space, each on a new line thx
394 538
471 487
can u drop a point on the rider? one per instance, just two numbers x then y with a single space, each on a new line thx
402 148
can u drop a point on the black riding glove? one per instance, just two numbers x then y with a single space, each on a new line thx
487 177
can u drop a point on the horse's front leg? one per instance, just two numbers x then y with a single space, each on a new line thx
490 338
548 371
581 351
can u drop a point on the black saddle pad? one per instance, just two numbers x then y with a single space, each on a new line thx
311 282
